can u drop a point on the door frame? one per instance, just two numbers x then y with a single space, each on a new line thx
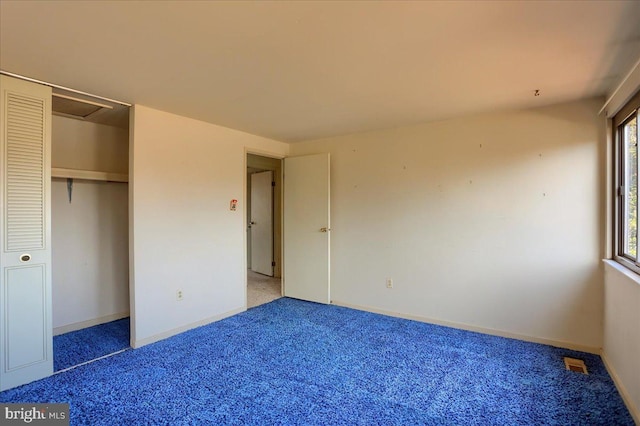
278 231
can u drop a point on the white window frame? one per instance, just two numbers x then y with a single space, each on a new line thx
631 109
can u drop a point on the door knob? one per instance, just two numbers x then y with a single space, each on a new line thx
325 229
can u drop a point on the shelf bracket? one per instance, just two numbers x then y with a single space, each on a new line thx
69 188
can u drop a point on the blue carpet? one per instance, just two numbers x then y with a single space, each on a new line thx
76 347
293 362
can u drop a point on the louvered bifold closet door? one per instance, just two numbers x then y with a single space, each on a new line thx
25 173
25 281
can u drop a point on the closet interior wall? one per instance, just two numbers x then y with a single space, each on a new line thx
89 225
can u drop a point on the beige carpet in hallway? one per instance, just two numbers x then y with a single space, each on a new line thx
261 289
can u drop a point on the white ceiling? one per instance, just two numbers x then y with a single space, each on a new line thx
295 71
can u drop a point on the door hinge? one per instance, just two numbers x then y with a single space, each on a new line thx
273 184
273 263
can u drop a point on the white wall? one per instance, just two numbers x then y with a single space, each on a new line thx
83 145
183 174
622 332
90 253
489 222
90 234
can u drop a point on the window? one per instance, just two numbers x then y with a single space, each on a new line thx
625 126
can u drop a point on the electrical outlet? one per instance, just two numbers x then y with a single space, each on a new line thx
179 295
389 282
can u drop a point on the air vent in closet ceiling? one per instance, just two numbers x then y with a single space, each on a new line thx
76 107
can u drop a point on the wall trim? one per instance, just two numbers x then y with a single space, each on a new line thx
89 323
161 336
622 390
477 329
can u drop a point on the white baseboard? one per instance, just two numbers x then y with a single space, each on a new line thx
89 323
468 327
161 336
622 390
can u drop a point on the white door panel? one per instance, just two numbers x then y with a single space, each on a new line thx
307 228
26 345
262 223
26 312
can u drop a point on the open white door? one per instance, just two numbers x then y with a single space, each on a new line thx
261 224
307 228
26 342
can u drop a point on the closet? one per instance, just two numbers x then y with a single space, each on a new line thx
89 212
64 220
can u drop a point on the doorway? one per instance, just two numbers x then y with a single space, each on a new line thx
264 224
89 216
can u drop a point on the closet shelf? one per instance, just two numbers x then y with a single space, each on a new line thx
88 175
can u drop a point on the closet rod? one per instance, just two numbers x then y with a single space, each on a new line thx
68 89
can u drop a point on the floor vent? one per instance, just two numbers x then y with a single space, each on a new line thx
576 365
